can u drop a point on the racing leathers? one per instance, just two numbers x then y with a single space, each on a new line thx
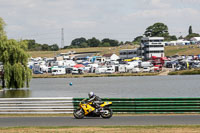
96 101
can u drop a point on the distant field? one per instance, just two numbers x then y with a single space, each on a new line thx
169 50
103 50
182 50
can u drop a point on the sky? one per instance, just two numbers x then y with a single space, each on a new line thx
122 20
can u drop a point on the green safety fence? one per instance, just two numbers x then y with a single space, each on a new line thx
151 105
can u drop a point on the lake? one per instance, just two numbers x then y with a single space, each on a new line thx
122 87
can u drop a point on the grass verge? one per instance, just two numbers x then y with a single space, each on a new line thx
186 72
103 129
92 75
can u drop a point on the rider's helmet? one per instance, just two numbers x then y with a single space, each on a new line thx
91 94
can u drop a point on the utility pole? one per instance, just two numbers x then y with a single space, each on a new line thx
62 38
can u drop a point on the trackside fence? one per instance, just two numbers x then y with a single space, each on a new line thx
50 105
152 105
65 105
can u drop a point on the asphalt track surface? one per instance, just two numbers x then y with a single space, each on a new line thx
114 121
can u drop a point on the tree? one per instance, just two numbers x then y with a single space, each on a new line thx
180 37
110 41
121 43
171 38
93 42
31 44
15 59
78 41
114 42
105 44
188 37
54 47
45 47
84 45
137 40
191 34
2 32
190 30
128 42
157 30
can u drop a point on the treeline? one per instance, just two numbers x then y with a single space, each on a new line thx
93 42
33 46
155 30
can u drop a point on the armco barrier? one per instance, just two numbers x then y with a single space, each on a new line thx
63 105
152 105
50 105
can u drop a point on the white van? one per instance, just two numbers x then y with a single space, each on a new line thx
58 71
77 71
110 69
100 70
122 68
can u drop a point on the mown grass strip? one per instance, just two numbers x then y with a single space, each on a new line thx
92 75
186 72
102 129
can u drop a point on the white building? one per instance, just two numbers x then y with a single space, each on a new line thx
110 57
151 46
128 53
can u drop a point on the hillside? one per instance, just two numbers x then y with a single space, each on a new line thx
103 50
182 50
169 50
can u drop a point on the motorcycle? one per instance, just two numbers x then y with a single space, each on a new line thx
87 109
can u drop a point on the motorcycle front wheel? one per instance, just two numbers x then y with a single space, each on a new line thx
78 113
107 113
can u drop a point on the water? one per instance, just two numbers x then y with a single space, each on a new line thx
122 87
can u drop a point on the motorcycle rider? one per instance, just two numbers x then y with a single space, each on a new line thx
96 100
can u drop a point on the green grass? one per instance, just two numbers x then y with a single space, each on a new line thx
175 51
182 50
186 72
102 129
92 75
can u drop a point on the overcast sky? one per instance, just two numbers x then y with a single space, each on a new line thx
123 20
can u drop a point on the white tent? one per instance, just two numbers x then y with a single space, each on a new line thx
195 39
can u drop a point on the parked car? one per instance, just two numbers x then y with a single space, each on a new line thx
197 65
136 70
146 69
110 70
37 72
77 71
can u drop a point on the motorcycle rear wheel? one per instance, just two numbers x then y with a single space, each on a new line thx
107 113
78 113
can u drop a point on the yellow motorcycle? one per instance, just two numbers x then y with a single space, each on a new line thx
87 109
